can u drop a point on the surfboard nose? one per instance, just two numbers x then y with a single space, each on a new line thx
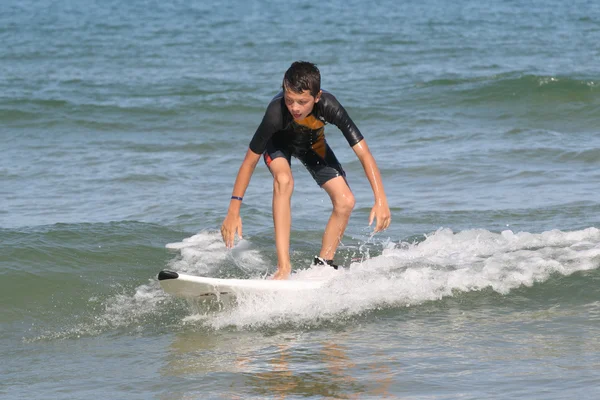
166 274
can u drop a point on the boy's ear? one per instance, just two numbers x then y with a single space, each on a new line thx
318 96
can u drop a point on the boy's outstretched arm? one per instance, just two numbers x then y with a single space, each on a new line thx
381 210
233 221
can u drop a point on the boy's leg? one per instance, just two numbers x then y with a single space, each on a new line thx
343 202
283 187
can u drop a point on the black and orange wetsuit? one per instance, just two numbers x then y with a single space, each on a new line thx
279 135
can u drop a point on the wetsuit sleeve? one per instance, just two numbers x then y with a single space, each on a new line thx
272 122
335 114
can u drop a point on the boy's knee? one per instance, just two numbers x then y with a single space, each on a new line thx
344 204
283 183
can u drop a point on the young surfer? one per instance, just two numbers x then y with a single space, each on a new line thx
293 125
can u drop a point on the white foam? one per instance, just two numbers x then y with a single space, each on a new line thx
410 274
203 253
405 274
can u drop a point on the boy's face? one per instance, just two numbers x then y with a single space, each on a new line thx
300 104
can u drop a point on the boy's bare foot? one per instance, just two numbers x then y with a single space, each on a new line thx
282 273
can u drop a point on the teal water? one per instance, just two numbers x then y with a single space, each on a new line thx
123 125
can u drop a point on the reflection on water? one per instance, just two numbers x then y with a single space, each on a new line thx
277 378
241 365
325 370
381 375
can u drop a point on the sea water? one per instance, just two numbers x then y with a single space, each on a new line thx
123 124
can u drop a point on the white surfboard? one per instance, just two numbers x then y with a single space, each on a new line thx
182 285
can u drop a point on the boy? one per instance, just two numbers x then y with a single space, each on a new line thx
293 125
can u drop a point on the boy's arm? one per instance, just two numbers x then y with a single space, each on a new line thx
381 210
233 221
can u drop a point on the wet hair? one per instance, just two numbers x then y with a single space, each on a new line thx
301 76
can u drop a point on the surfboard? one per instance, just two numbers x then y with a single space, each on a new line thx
190 286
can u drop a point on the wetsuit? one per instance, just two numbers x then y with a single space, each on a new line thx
279 135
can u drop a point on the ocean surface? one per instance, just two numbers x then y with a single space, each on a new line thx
123 124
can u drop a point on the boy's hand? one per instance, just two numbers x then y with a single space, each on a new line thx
381 211
231 225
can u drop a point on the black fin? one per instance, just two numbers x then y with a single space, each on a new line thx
166 274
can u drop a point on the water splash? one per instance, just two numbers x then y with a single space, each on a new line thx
442 265
404 275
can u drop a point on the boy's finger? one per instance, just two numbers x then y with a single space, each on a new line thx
380 224
376 229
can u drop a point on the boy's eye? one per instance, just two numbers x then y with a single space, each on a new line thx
289 102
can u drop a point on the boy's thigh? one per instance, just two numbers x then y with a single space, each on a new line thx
323 168
338 190
281 169
273 153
